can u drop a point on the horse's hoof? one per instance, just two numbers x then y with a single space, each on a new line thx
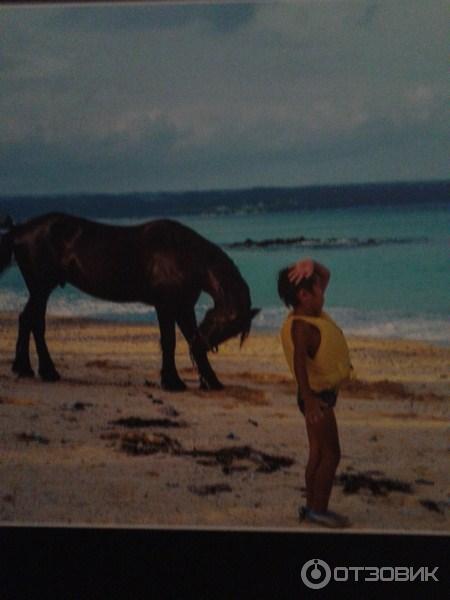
25 373
22 371
50 375
174 386
211 385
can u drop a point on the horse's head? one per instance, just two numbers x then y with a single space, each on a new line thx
220 325
232 313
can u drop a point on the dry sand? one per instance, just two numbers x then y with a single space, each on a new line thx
217 457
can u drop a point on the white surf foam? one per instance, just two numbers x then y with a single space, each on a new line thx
378 324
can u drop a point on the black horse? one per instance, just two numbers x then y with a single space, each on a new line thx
161 263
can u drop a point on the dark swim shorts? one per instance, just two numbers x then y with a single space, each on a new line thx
327 396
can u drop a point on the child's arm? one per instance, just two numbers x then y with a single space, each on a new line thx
301 338
305 268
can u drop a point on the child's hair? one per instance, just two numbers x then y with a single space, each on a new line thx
288 290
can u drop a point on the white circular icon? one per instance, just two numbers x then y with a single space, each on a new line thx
315 574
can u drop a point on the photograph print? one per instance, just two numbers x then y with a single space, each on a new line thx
224 266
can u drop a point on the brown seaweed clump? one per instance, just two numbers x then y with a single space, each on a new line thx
139 444
353 482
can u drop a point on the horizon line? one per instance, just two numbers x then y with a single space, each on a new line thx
205 190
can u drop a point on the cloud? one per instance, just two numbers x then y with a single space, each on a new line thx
225 18
172 97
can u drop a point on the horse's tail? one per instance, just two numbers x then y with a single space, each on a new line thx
6 243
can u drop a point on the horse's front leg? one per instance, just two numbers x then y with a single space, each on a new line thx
170 380
188 325
21 364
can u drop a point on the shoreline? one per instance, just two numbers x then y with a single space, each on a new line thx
13 315
64 444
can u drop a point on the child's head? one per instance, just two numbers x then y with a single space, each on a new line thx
288 291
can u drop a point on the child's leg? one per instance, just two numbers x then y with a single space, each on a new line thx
311 467
324 456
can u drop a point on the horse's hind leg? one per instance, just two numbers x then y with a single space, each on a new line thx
21 364
170 380
188 325
47 369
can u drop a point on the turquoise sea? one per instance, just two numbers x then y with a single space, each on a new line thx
389 266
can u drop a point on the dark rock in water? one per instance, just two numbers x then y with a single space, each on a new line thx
206 490
353 482
249 243
317 243
252 422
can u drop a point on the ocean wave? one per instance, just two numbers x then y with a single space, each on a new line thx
378 324
317 243
84 306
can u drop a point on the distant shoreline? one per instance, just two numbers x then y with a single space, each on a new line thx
137 205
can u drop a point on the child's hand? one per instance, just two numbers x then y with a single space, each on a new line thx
303 269
314 409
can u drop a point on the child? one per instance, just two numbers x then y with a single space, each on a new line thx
318 357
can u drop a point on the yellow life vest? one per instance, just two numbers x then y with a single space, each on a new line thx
331 363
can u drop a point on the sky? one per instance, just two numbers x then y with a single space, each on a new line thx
173 97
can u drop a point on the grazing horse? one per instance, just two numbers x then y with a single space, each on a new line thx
161 263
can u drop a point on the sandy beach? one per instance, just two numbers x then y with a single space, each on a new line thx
105 445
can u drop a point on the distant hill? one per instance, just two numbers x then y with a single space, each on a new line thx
252 200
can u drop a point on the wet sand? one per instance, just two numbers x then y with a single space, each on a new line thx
106 446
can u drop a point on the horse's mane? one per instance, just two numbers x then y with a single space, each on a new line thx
228 279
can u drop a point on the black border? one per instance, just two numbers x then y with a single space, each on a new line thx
86 562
